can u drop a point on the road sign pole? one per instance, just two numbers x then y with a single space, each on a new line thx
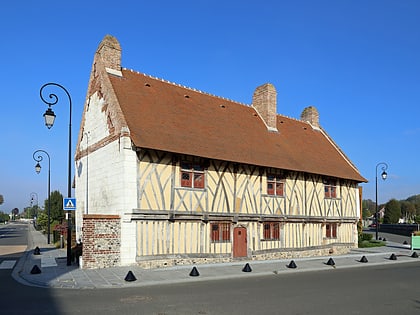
68 238
69 205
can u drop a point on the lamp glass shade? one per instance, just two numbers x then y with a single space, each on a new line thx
384 175
37 168
49 117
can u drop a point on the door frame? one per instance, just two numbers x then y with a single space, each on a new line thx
240 245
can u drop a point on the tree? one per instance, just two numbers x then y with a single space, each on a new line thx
4 217
366 213
42 221
15 212
369 207
31 212
416 201
408 210
392 212
56 212
1 199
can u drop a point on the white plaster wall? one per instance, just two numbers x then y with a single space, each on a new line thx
110 173
128 242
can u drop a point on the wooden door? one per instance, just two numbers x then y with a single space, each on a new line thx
240 245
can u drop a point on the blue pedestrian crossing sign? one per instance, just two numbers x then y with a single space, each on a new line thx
69 204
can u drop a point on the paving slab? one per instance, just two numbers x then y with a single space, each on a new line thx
56 274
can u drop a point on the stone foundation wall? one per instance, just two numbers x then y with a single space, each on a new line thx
151 262
101 241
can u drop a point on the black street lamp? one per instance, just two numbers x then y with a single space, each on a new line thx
34 199
49 122
383 175
38 170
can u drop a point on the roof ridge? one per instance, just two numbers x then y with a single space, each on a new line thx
187 87
292 118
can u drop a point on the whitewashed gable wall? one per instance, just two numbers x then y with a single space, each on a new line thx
111 172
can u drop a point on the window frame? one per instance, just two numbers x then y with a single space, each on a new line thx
330 189
220 232
331 230
196 175
278 183
271 231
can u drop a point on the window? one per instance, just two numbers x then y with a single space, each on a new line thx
220 232
331 230
192 175
330 189
275 185
271 231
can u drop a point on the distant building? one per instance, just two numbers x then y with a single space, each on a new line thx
168 175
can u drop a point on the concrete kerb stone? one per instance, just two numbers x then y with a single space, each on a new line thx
72 277
86 279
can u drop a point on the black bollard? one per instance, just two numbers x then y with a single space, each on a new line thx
35 270
384 239
405 243
331 262
414 255
130 277
37 251
393 257
363 259
292 265
247 268
194 272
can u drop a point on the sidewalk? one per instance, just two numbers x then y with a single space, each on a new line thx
56 274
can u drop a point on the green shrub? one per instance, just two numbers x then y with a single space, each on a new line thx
366 237
373 243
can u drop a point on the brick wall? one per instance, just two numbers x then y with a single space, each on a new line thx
110 51
310 114
101 241
264 101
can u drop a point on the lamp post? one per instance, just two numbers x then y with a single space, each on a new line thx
49 122
38 170
383 175
33 195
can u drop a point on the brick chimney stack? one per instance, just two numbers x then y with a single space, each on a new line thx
109 50
310 114
264 101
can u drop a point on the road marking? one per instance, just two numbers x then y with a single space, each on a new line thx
7 264
48 262
12 249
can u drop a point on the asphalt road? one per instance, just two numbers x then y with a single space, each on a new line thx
371 290
13 240
388 289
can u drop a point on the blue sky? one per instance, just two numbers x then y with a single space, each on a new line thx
356 61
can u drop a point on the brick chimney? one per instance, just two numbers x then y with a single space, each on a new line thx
109 50
264 101
310 114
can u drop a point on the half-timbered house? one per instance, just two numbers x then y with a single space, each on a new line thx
168 175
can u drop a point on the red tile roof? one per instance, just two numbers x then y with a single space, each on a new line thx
168 117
